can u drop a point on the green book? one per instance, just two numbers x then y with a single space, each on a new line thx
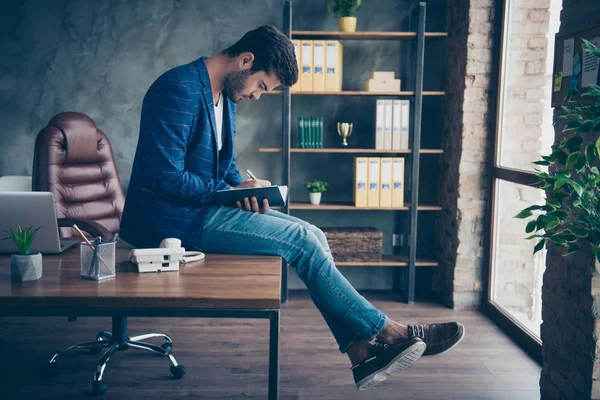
316 130
301 131
310 133
321 123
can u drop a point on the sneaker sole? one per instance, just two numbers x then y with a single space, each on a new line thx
401 362
464 332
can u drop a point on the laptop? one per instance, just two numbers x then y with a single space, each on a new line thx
31 209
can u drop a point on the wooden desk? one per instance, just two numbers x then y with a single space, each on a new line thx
221 286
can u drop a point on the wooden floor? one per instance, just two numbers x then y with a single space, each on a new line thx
227 359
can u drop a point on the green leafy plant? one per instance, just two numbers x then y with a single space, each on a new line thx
23 238
316 186
343 8
571 215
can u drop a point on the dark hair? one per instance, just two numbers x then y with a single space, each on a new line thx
273 52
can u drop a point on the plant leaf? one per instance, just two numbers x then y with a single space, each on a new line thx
586 126
553 202
573 248
574 143
539 246
524 214
578 188
573 157
581 163
551 224
572 125
560 182
530 227
590 153
579 232
544 163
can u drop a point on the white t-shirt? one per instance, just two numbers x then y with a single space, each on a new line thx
219 120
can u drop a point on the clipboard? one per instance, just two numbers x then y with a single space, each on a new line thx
277 195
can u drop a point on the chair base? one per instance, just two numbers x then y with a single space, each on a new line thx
119 340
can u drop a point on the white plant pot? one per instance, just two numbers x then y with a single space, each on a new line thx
25 267
315 198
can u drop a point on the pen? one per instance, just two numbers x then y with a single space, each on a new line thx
250 174
89 244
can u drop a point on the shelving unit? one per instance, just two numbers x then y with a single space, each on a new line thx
358 93
409 261
355 151
352 207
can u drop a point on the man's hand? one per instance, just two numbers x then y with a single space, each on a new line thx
251 204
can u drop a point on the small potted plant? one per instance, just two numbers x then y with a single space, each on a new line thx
316 188
345 12
24 266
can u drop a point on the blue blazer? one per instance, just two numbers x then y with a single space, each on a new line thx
177 166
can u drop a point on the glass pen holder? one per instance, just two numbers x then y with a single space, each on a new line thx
97 262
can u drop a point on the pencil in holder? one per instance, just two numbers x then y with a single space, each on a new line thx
97 261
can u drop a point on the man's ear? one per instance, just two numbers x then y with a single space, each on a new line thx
245 60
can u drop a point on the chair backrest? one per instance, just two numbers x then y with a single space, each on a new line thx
73 159
15 183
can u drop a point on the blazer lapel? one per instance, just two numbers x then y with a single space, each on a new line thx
208 101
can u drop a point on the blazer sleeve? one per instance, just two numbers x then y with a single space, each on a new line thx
165 127
233 177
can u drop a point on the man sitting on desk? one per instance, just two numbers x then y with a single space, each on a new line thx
185 154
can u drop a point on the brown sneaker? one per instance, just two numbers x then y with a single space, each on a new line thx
386 360
438 337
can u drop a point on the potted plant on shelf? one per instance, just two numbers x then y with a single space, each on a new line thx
571 215
345 12
24 266
316 188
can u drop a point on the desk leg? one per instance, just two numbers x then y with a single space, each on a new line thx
284 281
274 356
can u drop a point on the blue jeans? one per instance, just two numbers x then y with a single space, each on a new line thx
304 246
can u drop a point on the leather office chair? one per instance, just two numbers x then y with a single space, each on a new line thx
73 159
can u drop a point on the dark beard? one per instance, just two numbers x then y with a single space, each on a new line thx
234 84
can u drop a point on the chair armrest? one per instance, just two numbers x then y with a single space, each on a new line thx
91 227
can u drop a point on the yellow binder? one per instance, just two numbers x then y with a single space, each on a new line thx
385 182
361 169
319 66
296 86
334 55
306 83
398 182
373 195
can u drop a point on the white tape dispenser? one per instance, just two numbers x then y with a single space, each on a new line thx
165 258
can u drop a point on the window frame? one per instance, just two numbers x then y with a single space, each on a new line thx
518 332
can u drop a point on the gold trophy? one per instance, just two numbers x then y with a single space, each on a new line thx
344 130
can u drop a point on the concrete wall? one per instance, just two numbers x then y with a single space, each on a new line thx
99 58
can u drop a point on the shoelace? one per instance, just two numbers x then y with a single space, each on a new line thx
416 331
380 345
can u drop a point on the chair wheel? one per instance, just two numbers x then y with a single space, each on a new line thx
178 371
168 347
51 370
99 388
103 336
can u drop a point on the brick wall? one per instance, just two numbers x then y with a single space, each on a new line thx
466 137
570 294
571 290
